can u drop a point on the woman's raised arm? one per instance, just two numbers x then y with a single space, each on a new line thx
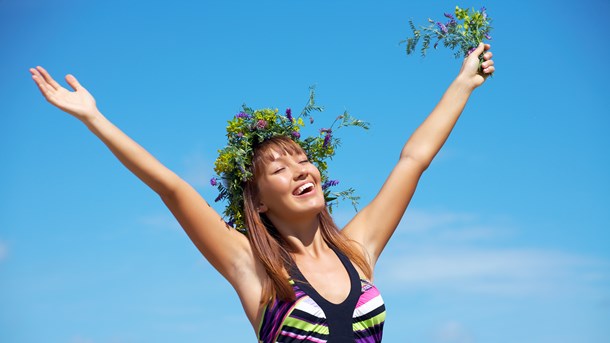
226 249
375 224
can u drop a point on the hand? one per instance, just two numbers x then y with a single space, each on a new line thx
79 103
470 71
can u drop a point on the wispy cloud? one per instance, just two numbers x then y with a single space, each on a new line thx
440 225
451 251
160 221
452 332
197 169
80 339
516 271
3 251
343 213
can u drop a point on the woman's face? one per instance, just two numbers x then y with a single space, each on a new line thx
289 187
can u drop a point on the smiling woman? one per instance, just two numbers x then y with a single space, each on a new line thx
299 277
277 210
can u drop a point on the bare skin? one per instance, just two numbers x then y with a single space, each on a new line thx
295 218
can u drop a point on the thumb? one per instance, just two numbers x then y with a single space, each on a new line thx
73 82
478 51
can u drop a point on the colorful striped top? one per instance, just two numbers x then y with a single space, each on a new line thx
311 318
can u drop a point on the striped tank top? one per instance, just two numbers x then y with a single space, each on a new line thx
311 318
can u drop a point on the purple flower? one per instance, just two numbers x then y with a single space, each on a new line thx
214 181
289 114
470 51
323 130
230 223
487 36
242 115
327 139
450 16
261 124
218 198
435 44
240 134
310 120
296 134
484 12
442 27
330 183
451 23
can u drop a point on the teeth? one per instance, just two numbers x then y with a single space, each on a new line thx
300 190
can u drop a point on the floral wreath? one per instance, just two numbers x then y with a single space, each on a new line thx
250 128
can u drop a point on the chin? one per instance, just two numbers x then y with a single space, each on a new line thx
310 209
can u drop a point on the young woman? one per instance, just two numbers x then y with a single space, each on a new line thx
298 277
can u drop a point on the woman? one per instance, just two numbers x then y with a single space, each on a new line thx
299 279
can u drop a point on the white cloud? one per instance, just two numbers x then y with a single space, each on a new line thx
451 252
343 213
452 332
501 271
3 251
79 339
416 220
197 170
160 221
426 226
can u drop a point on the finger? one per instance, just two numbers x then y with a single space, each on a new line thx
479 50
49 94
488 55
42 84
48 78
487 64
73 82
489 70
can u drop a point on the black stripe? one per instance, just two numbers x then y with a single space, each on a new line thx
308 317
370 315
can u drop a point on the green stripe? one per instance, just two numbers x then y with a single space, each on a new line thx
305 326
365 324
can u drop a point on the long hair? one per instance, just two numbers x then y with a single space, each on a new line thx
267 243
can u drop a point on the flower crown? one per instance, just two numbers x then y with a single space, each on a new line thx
250 128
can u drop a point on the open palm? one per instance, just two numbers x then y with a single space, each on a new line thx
79 103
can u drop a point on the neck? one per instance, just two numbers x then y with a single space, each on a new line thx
304 237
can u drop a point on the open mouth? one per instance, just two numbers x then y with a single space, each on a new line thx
304 189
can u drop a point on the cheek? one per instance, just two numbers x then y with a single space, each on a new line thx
272 187
316 173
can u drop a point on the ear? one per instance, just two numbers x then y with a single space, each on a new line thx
262 208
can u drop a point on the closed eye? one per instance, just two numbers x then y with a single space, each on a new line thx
278 170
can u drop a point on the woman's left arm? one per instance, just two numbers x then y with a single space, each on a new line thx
374 225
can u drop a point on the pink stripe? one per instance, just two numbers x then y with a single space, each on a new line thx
294 335
367 296
284 317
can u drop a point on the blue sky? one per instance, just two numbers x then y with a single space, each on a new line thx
506 239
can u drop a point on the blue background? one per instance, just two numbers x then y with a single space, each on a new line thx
506 239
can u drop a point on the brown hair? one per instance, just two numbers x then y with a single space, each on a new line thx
267 243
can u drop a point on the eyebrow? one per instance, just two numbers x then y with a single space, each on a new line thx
287 156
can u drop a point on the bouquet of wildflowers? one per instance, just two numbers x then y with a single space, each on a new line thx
462 32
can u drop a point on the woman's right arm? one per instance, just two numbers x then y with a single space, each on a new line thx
226 249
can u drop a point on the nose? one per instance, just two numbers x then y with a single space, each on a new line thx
300 172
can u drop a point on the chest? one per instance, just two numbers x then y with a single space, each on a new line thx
310 318
328 277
